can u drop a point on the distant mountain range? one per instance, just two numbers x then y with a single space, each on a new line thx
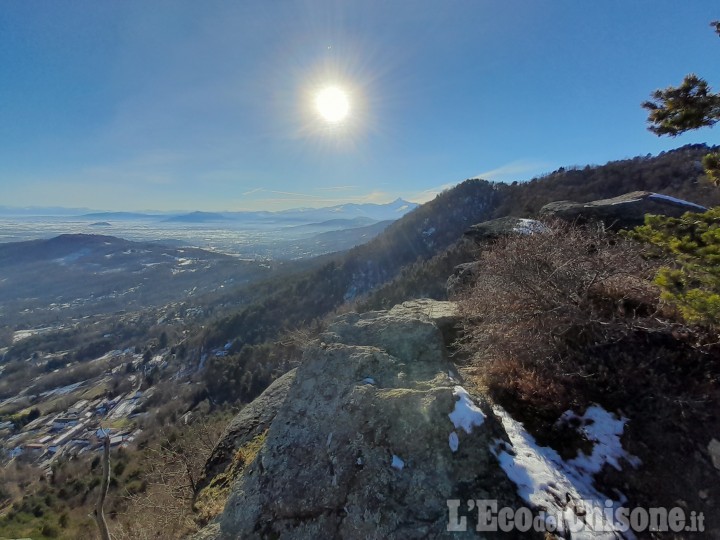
370 212
336 224
119 216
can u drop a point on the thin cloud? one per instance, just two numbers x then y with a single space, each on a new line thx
515 170
294 194
336 188
271 196
429 194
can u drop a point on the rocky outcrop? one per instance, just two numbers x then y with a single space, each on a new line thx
365 445
483 234
462 277
489 231
250 422
376 437
623 212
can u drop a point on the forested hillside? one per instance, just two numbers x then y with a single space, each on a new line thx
418 236
414 256
678 173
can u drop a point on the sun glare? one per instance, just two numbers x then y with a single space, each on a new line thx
332 104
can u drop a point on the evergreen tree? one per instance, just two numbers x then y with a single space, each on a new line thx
692 105
693 240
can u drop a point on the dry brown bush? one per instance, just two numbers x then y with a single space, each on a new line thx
173 464
567 318
544 303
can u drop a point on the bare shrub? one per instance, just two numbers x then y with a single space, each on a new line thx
543 302
173 464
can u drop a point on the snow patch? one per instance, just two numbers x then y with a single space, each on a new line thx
529 226
604 430
545 480
619 202
19 335
677 201
72 257
397 463
369 380
466 413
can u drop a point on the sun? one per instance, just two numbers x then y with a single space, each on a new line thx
333 104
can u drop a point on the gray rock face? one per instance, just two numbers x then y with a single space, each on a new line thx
400 329
463 275
363 446
250 422
488 231
623 212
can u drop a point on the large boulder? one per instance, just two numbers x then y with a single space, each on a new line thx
489 231
378 438
374 437
623 212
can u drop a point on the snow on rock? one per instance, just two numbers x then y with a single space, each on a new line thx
546 481
677 201
621 212
466 414
623 201
397 463
529 226
453 441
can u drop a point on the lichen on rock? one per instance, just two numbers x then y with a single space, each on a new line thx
331 462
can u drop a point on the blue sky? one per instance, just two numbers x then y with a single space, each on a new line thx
208 105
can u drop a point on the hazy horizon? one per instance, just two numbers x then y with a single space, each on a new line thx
75 211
